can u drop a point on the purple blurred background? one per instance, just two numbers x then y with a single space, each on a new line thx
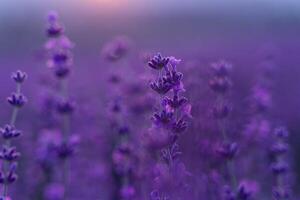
199 32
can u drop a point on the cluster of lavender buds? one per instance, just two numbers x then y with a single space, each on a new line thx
280 167
169 122
58 47
60 60
9 154
221 83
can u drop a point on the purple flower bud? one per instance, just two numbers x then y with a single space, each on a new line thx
174 79
17 100
281 193
62 71
12 176
116 49
125 148
175 102
221 68
161 86
228 194
60 58
262 99
279 148
179 126
19 76
52 16
156 196
174 62
228 150
9 132
124 130
244 192
65 107
163 118
64 150
2 178
221 111
281 132
158 62
172 154
220 84
54 30
9 154
279 168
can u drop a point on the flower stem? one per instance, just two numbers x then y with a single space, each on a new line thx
5 164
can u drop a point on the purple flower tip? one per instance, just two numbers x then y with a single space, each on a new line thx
221 68
65 107
9 132
281 132
19 76
158 62
17 100
228 150
52 16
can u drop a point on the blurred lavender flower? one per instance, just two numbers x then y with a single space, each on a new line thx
116 49
60 60
220 83
58 47
280 166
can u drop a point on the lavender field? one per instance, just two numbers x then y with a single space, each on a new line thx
149 100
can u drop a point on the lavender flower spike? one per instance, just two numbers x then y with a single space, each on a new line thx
60 60
280 167
9 154
169 121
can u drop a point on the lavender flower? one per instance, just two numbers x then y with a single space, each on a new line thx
58 47
54 28
116 49
280 167
158 62
19 76
17 100
9 153
123 157
220 83
60 60
169 121
9 132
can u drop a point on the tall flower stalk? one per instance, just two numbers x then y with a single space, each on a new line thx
280 167
169 122
123 156
60 61
221 83
9 154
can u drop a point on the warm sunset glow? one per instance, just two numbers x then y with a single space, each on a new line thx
109 3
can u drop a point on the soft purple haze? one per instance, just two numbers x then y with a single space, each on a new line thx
119 146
